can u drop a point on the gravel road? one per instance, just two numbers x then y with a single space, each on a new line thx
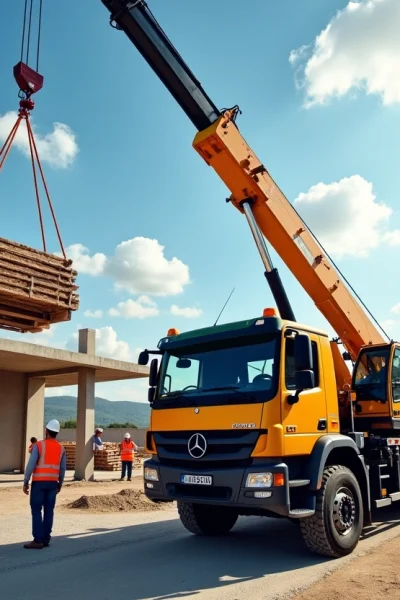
150 556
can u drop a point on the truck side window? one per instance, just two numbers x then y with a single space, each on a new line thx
396 376
290 381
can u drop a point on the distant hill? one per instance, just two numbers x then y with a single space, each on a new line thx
63 408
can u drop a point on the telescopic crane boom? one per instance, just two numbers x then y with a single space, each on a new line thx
253 191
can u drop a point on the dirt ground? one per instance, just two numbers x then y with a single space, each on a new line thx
14 501
125 500
374 575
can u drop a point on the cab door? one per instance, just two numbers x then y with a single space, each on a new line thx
307 420
394 383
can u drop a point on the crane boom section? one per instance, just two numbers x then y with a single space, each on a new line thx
139 24
222 146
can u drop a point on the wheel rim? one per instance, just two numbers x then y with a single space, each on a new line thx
344 511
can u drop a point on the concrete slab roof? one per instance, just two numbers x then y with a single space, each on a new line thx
60 367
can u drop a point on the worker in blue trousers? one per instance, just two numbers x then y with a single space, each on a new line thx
46 466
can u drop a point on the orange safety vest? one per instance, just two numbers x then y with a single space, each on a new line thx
127 451
48 466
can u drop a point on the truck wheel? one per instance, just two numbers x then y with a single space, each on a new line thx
335 528
201 519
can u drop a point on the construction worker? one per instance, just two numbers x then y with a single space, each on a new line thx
127 448
46 466
97 443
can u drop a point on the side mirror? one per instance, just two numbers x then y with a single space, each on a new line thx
303 359
183 363
305 380
153 373
143 358
151 394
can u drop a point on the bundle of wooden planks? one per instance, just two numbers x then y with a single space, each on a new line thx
104 460
70 451
36 288
108 459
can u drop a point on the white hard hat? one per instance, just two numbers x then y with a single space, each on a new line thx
99 429
127 435
53 425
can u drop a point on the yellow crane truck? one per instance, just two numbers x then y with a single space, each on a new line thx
263 417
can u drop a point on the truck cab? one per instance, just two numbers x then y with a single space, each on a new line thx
241 415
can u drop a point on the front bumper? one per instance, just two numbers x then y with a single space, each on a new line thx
228 487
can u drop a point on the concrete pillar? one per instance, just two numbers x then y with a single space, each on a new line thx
12 420
87 341
84 460
34 413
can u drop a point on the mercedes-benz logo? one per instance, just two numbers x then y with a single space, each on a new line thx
197 445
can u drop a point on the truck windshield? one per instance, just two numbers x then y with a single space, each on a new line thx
370 381
240 372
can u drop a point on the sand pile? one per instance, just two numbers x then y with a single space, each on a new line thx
125 500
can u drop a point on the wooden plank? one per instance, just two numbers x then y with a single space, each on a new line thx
9 260
24 270
37 298
34 286
38 256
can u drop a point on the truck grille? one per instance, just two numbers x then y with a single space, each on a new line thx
225 448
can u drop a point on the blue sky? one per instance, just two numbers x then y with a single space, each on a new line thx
329 116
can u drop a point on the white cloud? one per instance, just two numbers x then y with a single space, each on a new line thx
392 238
391 327
58 148
358 49
132 391
346 217
107 344
187 312
138 266
71 390
135 309
93 314
83 262
396 309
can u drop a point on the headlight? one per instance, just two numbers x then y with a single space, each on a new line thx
259 480
150 474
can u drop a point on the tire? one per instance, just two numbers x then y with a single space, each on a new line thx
335 528
201 519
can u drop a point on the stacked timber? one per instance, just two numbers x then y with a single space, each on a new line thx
37 289
108 459
70 451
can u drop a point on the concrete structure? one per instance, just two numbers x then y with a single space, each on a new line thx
109 435
25 371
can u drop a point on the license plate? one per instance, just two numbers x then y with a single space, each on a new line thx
197 479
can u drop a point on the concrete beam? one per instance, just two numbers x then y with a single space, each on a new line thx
84 460
54 372
34 414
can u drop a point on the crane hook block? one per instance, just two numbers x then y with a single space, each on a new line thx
28 80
